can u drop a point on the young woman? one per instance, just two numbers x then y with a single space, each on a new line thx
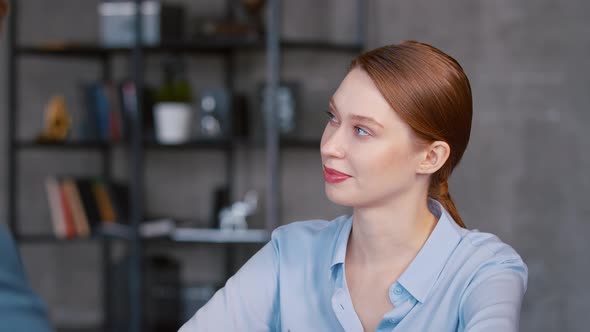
398 125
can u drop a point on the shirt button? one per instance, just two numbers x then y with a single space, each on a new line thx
397 291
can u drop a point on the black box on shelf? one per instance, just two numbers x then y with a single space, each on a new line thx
222 114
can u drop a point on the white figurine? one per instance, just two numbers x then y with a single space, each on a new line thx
234 217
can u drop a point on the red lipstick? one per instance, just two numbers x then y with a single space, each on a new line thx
333 176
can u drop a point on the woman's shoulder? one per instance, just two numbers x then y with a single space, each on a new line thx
489 245
492 279
485 254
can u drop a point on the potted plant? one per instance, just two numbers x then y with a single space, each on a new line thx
173 111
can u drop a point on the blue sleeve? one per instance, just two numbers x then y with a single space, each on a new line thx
247 302
492 301
20 308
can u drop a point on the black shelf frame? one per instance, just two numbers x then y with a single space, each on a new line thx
136 148
50 238
82 50
84 146
297 143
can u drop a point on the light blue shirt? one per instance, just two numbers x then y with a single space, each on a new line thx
461 280
20 308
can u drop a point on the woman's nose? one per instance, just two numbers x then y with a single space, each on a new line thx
332 144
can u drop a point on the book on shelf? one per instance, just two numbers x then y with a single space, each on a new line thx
103 118
104 202
74 202
68 218
109 107
55 207
82 206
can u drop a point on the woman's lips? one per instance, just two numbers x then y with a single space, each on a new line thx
333 176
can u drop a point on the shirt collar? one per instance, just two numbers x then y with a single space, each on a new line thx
424 270
339 251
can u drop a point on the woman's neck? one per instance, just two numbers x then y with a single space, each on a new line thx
390 235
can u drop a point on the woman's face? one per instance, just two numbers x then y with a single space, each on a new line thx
380 156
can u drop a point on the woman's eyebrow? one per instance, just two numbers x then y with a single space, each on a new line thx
356 117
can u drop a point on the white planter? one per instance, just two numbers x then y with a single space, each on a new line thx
173 122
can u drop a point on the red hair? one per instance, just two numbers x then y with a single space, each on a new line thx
429 90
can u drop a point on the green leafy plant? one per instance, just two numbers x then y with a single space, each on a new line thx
175 87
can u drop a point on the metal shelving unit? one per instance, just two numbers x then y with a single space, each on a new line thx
136 148
191 145
205 47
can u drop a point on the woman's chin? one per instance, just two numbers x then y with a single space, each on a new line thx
338 196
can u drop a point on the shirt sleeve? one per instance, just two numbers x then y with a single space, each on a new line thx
493 299
20 308
247 302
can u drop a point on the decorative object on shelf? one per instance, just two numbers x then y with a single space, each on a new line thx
222 114
246 24
162 23
255 14
173 122
58 121
222 30
286 111
173 111
215 113
234 216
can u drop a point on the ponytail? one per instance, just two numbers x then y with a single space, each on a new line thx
439 190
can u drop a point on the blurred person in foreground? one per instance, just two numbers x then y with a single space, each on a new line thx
397 126
20 308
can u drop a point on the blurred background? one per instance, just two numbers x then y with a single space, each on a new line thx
69 100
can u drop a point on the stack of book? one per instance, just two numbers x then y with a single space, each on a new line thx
81 207
109 107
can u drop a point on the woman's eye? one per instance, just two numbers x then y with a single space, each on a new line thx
330 115
361 132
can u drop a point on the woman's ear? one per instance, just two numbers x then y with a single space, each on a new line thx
434 157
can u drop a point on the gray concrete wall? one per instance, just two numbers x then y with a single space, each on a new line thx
523 177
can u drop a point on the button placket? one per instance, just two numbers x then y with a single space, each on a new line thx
344 311
402 302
